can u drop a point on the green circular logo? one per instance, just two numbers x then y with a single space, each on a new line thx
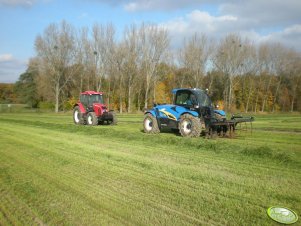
282 215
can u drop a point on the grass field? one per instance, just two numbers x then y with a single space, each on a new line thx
53 172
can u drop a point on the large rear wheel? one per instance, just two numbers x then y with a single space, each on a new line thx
190 126
114 121
92 120
78 116
150 124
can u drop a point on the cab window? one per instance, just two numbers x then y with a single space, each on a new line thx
203 99
185 98
96 98
84 100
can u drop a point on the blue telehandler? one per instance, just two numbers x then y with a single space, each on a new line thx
192 113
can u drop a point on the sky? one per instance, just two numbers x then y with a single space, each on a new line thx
259 20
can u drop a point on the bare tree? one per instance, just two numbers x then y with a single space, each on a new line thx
140 67
153 42
85 59
57 53
229 60
131 36
275 60
194 56
292 70
119 72
250 66
103 49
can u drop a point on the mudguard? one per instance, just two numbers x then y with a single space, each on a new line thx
81 107
172 112
151 111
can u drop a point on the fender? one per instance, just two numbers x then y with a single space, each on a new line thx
152 111
81 107
193 113
183 110
175 111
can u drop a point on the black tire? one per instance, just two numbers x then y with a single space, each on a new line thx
114 121
190 126
78 117
92 120
150 124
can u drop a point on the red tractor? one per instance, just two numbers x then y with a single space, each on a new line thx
92 111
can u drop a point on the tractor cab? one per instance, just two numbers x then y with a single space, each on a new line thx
191 98
90 98
194 99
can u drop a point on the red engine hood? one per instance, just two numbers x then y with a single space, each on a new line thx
99 109
98 105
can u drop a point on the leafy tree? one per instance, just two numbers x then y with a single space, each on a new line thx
26 91
7 94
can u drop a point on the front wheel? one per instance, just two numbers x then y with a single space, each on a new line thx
190 126
92 120
150 124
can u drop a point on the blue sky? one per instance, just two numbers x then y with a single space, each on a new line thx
22 20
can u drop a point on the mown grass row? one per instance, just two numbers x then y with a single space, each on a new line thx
58 173
283 152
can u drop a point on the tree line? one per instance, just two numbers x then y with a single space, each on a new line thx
139 68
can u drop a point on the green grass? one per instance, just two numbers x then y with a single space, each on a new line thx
53 172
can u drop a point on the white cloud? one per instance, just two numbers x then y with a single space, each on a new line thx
258 15
17 2
201 22
166 5
217 27
6 57
10 68
294 29
290 37
261 13
131 6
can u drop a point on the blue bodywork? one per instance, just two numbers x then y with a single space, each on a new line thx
172 112
220 112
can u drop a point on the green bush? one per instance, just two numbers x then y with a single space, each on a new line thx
68 104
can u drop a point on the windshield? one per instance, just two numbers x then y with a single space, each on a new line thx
96 98
203 98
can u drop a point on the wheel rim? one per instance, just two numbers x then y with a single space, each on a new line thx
89 120
148 124
76 118
187 126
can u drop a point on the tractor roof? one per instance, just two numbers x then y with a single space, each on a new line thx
176 90
91 93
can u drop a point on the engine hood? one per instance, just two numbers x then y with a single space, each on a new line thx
220 112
